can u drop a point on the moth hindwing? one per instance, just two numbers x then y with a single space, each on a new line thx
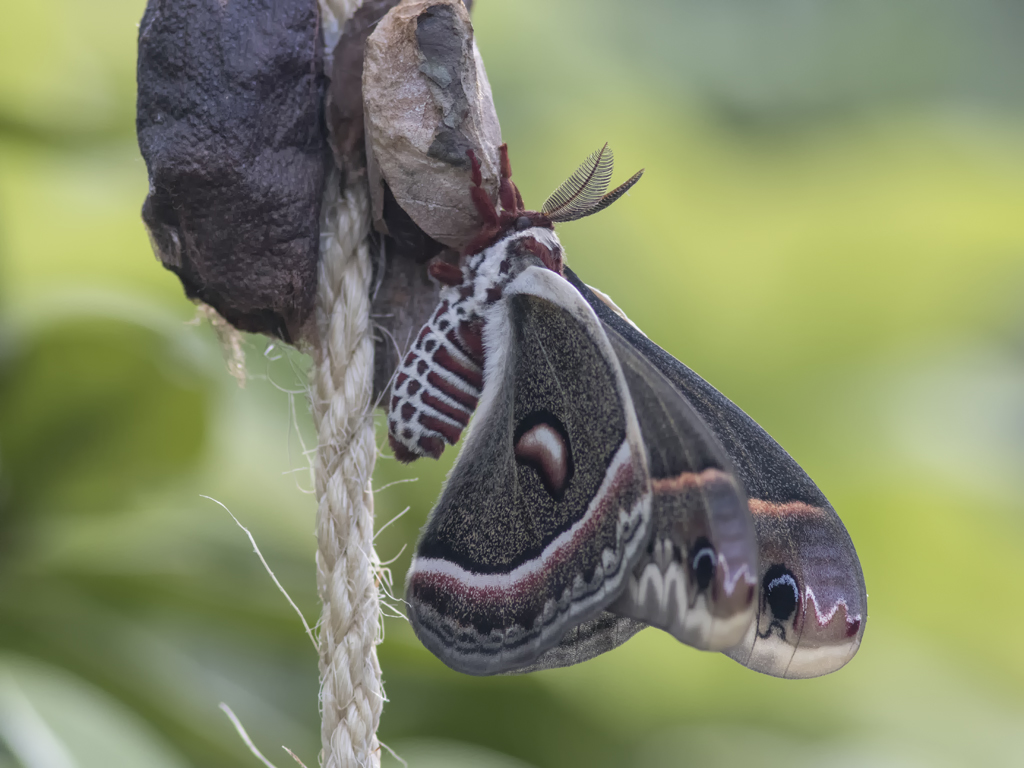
812 602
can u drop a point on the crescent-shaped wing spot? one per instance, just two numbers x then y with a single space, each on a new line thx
541 442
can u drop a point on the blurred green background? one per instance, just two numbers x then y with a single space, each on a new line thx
830 230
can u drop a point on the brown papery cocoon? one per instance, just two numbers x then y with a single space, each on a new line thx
427 101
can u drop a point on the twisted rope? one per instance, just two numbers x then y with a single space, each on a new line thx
351 697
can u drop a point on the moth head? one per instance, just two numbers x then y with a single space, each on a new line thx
582 194
506 218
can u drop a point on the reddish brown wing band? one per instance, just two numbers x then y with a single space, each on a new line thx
812 604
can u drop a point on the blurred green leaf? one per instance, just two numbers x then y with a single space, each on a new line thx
67 68
99 409
50 719
770 67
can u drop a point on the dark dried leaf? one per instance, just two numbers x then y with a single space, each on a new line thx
229 124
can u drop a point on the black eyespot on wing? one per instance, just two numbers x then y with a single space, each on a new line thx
780 591
703 560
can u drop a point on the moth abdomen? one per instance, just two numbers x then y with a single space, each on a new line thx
436 388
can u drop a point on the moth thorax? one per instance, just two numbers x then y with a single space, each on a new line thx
539 242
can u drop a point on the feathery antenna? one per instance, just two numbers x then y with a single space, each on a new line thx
583 193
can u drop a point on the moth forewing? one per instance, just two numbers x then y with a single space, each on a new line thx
586 640
545 511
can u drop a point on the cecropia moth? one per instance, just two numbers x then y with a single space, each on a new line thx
603 486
